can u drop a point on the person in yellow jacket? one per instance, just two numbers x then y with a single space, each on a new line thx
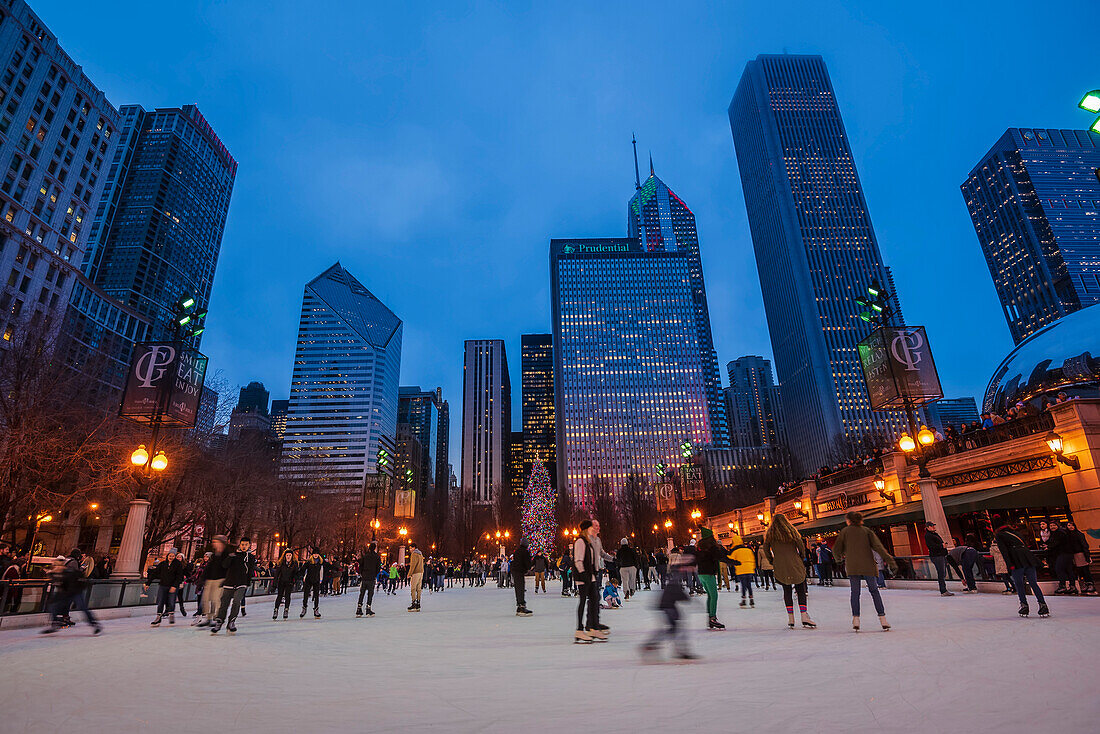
743 561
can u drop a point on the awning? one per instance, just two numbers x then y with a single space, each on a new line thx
1040 493
822 523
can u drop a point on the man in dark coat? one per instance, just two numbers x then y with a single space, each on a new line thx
1022 564
238 576
369 565
283 576
68 588
937 553
312 573
521 564
169 576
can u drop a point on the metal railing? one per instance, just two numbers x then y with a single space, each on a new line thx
31 596
997 434
850 474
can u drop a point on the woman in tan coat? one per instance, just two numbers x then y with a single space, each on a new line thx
784 549
854 546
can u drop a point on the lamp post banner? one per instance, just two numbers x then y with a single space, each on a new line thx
666 497
164 383
898 368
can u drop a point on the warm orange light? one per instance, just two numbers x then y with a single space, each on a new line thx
45 518
507 534
140 456
695 514
159 462
731 526
760 516
925 436
93 506
906 443
488 537
498 533
798 504
668 524
276 535
403 531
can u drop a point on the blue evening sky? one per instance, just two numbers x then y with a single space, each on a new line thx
434 149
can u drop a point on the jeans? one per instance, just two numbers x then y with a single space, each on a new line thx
588 595
970 557
940 562
366 586
231 602
872 587
788 596
62 602
315 588
745 579
1063 569
1022 577
710 584
521 587
166 600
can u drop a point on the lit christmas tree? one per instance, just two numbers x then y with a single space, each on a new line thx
538 511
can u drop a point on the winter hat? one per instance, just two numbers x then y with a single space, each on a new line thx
623 541
173 549
221 539
706 533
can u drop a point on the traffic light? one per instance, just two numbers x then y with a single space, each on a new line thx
875 306
1091 103
187 319
383 458
662 469
686 449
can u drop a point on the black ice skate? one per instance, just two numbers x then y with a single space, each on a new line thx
714 624
1024 610
1043 610
303 614
359 611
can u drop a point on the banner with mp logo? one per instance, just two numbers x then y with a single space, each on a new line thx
164 383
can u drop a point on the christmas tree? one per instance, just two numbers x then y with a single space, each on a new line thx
538 511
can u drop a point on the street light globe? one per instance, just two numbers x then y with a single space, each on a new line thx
498 533
159 462
140 456
668 523
46 518
880 483
507 534
1091 101
925 436
760 516
730 525
1054 441
906 443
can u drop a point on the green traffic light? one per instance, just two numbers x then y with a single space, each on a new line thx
1091 102
185 321
187 302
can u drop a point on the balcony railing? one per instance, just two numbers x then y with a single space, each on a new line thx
850 474
1018 428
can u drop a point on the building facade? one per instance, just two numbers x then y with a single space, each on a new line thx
538 404
1034 199
486 419
442 441
815 252
343 392
630 373
419 411
951 412
279 410
754 407
517 479
661 221
57 136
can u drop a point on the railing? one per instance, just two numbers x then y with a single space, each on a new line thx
920 568
31 596
997 434
850 474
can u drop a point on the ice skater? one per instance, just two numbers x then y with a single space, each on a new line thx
785 550
312 574
213 575
681 569
1023 565
283 577
370 563
68 586
586 577
521 563
854 545
709 556
238 576
415 576
169 575
743 560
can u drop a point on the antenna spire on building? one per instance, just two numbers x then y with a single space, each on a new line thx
637 176
651 163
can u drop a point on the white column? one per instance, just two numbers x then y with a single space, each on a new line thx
103 537
933 509
128 563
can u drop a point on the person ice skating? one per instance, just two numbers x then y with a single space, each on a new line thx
937 553
743 560
710 554
611 597
312 573
1022 564
965 557
627 559
393 573
68 589
764 568
283 577
586 577
521 563
1000 567
238 575
213 575
680 571
250 557
169 575
1060 555
785 549
1082 558
540 565
853 546
415 576
370 563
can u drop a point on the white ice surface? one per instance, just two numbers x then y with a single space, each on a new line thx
467 664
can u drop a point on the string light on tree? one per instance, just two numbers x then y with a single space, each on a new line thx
538 511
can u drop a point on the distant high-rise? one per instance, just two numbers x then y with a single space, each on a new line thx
815 251
343 392
57 135
156 237
279 410
486 419
517 480
538 403
253 397
443 442
1034 199
952 412
419 410
662 222
755 413
630 372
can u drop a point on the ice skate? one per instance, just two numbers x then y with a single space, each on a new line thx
275 614
244 612
286 611
215 627
743 603
714 624
369 612
1024 610
231 627
790 620
947 593
303 614
855 623
807 622
97 630
523 612
884 623
686 657
155 622
316 613
1043 610
204 622
582 638
650 653
50 630
171 618
359 611
752 602
411 607
597 635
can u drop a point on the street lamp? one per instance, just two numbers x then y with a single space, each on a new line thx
403 532
695 514
880 487
925 437
1091 103
906 443
668 524
1054 441
798 506
760 517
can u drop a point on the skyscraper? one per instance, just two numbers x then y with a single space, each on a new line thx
253 397
630 372
156 236
279 410
517 480
419 410
486 419
57 135
661 221
249 416
443 441
755 412
952 412
343 391
815 251
538 403
1034 199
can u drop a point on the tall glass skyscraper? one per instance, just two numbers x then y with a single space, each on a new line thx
1034 199
486 420
815 251
661 221
343 392
755 412
630 371
538 403
419 410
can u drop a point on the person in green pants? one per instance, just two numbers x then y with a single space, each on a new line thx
710 555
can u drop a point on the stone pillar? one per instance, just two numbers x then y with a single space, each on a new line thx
899 538
1078 423
128 563
933 509
106 532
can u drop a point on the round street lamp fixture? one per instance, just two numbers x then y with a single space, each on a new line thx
159 462
925 436
668 524
906 443
798 506
695 514
140 456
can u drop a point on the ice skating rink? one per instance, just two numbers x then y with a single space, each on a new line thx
467 664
